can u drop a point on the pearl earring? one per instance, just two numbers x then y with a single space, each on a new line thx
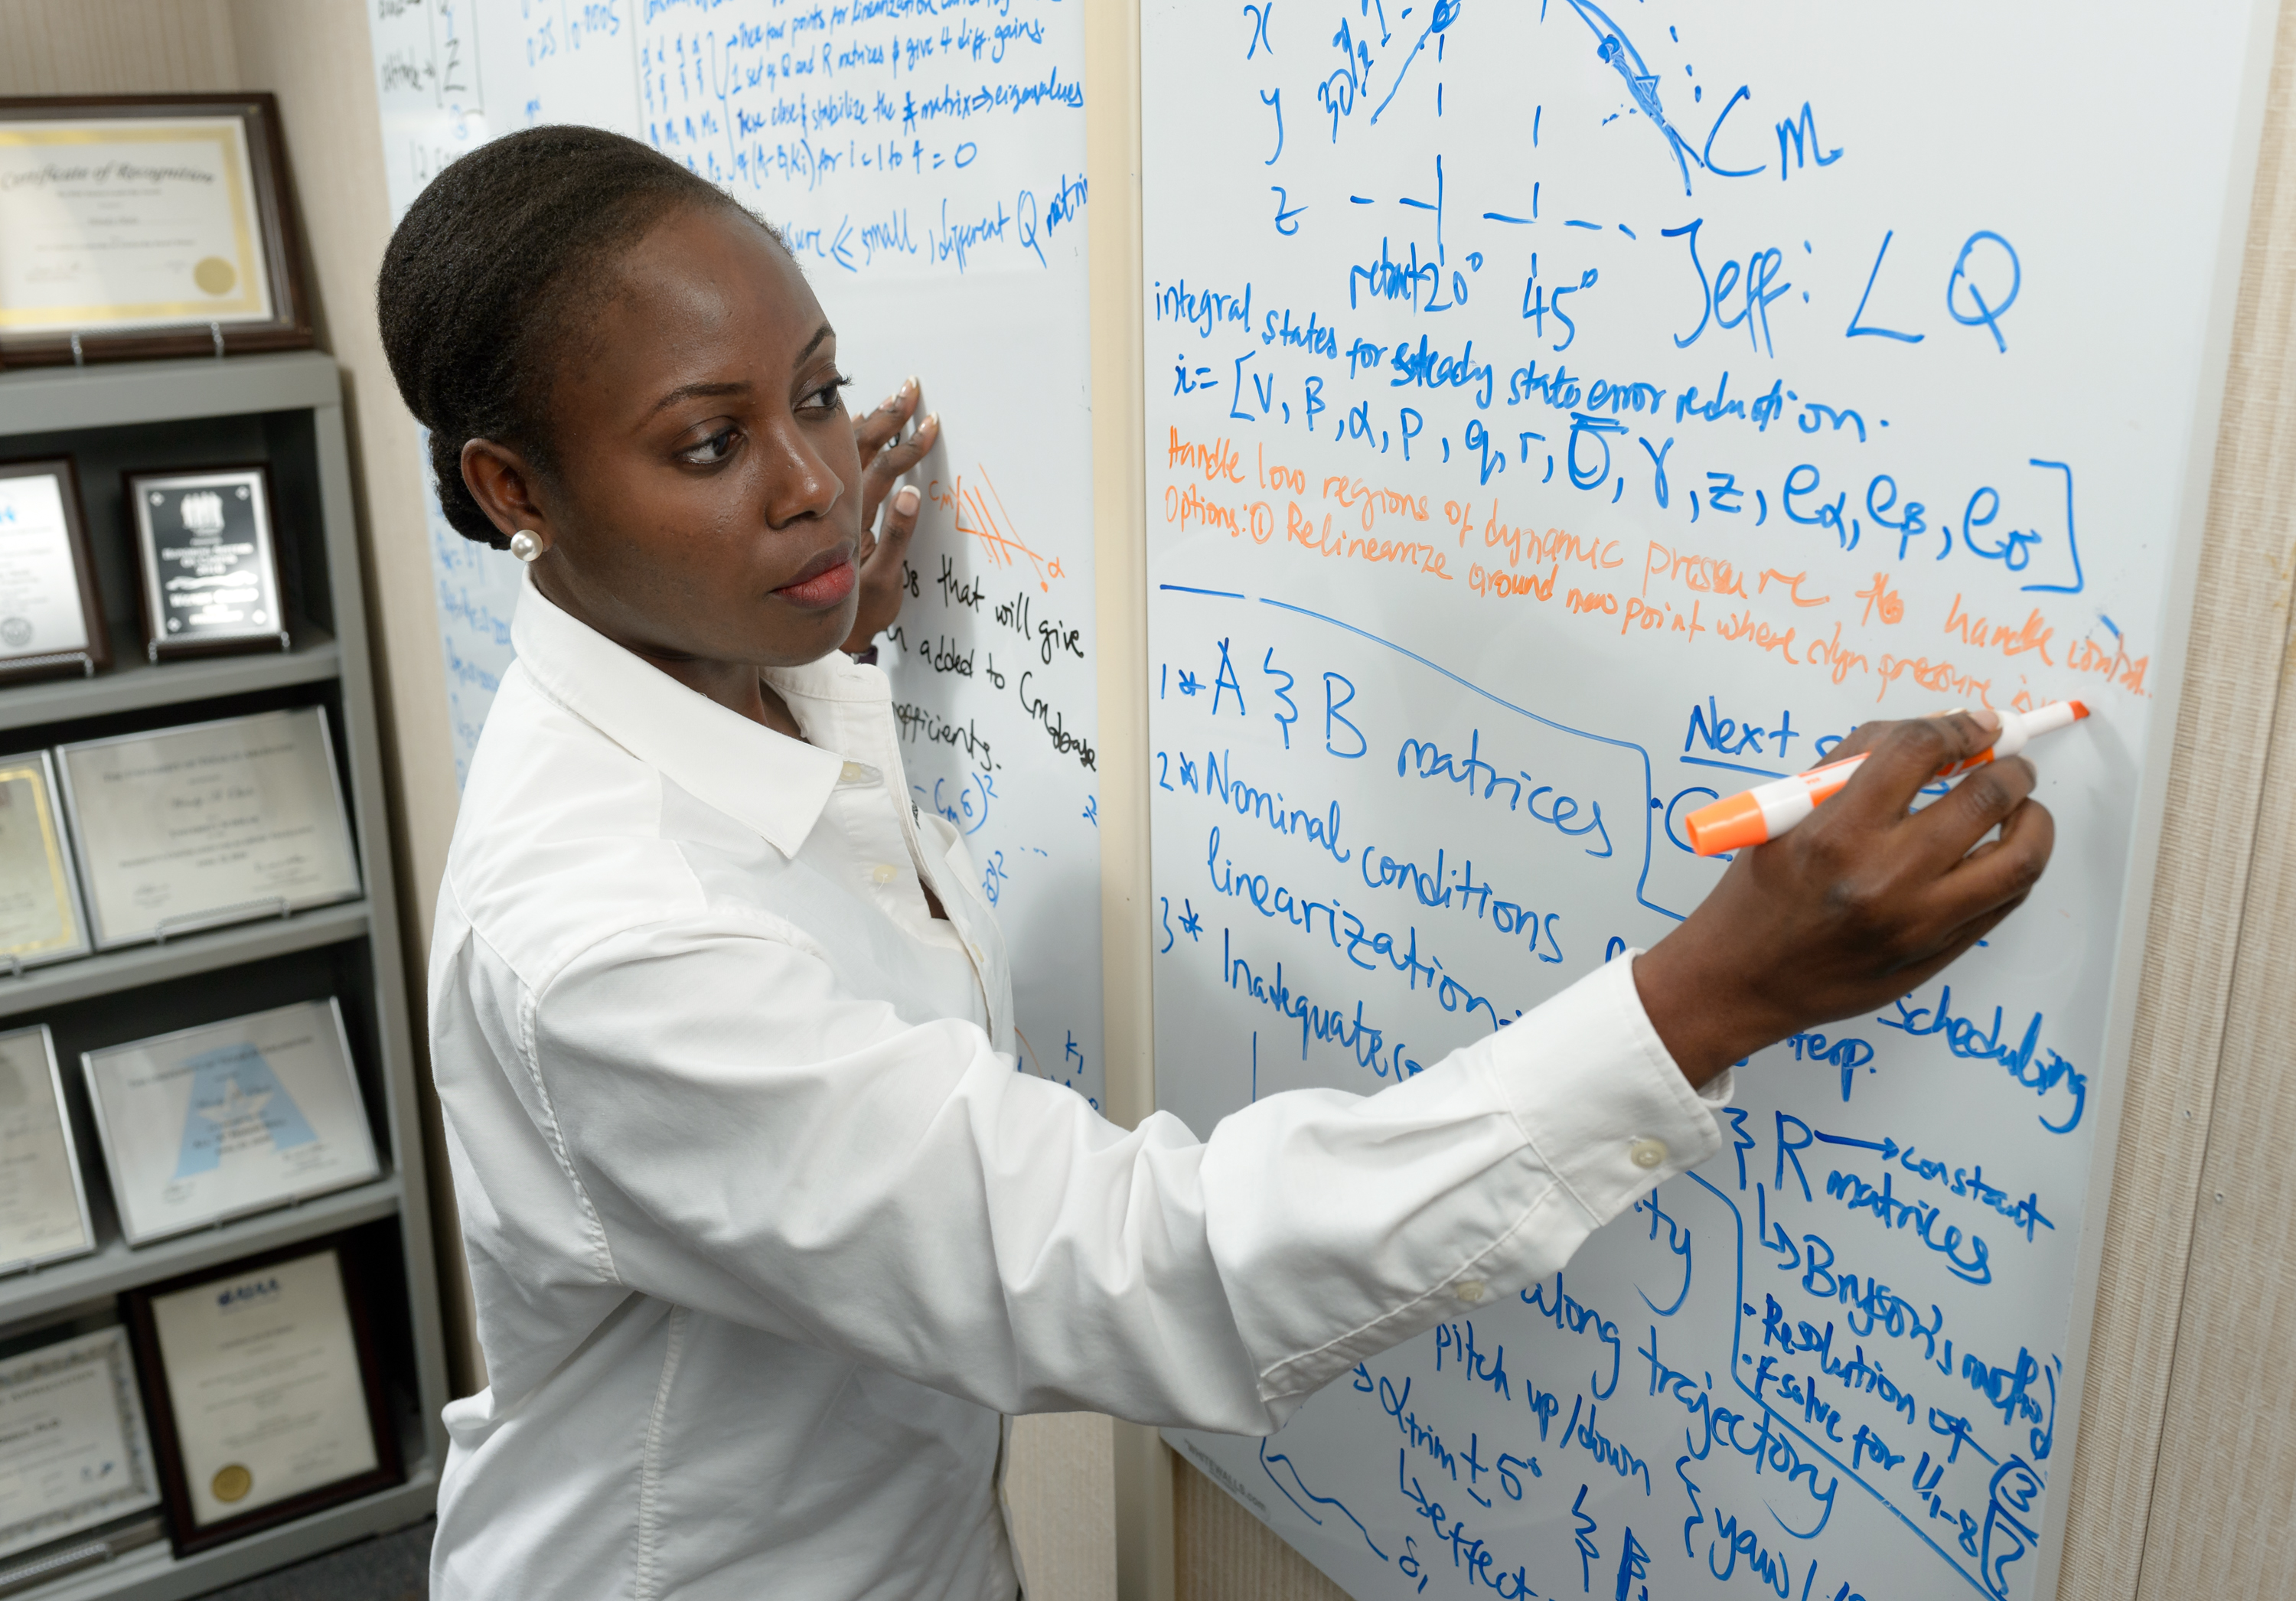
526 545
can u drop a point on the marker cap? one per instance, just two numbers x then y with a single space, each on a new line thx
1731 825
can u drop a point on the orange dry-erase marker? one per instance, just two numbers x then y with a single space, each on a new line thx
1767 811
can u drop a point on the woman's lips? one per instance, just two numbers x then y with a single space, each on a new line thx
827 579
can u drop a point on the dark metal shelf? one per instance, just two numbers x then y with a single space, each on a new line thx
151 1570
122 394
118 1267
132 683
132 966
287 410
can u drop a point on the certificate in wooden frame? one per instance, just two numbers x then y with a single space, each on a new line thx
29 647
187 1532
208 167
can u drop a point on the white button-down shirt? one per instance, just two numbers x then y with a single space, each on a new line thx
766 1229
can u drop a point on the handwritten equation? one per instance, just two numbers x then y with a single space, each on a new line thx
938 135
925 162
1561 416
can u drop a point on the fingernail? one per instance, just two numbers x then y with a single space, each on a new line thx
909 384
931 424
906 499
1987 718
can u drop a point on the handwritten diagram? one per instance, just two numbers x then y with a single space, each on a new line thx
978 511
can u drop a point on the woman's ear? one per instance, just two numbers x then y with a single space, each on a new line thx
503 482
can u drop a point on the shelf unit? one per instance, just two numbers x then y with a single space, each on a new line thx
286 412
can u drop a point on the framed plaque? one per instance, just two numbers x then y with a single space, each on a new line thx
188 828
210 568
143 225
49 619
41 919
74 1451
213 1122
266 1400
43 1202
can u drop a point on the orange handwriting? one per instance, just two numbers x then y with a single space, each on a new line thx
1708 575
1217 461
1374 501
1793 581
1984 634
1880 597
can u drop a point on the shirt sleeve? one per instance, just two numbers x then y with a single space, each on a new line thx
755 1141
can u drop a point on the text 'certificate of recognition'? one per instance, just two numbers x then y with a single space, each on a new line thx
73 1451
207 823
264 1378
128 224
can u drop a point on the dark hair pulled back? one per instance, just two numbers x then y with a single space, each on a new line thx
493 266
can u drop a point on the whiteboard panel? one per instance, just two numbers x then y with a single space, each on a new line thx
1559 416
926 166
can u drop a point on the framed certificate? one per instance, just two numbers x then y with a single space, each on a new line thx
43 1202
188 828
230 1118
40 915
49 619
211 569
143 225
266 1401
73 1449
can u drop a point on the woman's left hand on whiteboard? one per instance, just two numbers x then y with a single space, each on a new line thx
885 456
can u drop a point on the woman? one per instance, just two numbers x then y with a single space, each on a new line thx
765 1230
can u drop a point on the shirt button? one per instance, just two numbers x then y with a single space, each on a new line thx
1468 1289
852 772
885 873
1647 1153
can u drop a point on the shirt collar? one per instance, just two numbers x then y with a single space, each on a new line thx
768 782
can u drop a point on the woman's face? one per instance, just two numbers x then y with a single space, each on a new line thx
706 500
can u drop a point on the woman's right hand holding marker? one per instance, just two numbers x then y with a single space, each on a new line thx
1862 903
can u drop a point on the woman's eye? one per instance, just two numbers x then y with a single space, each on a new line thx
712 450
824 399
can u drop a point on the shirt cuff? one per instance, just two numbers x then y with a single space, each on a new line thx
1600 1099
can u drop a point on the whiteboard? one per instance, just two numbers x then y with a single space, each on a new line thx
926 165
1560 415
